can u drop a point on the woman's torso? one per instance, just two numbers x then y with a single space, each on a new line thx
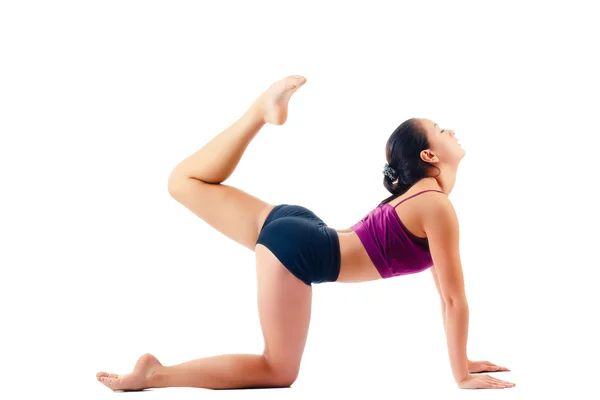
356 265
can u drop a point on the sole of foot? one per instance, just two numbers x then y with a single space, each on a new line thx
272 104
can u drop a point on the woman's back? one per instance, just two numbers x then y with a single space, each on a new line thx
411 209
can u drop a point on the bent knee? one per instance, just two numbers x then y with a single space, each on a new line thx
177 184
283 375
284 379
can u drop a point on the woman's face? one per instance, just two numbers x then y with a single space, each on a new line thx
443 143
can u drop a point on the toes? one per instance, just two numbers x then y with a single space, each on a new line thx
106 374
112 383
300 79
296 82
105 381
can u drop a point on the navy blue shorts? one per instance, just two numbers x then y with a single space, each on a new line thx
303 243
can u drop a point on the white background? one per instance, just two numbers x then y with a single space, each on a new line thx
100 100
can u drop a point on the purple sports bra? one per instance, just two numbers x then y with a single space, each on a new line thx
393 249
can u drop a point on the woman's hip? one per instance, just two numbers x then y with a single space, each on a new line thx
303 243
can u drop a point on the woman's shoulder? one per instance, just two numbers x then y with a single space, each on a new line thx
437 211
420 203
424 194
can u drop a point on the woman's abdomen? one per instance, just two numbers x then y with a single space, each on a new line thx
356 265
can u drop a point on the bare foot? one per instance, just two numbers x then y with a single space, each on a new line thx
139 379
272 105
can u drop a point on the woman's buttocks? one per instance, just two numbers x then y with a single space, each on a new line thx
355 265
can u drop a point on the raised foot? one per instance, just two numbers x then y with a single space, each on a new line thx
272 104
141 377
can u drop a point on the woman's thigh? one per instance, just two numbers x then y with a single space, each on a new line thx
231 211
284 308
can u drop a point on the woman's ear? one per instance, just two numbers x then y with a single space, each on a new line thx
429 156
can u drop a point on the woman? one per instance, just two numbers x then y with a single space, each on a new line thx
294 248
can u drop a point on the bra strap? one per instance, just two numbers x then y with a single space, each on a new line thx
423 191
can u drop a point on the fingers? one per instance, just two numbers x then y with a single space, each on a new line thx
488 365
495 368
501 385
498 382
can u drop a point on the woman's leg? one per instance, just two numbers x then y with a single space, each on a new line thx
284 305
196 182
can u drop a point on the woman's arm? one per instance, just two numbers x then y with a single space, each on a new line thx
441 226
443 308
439 290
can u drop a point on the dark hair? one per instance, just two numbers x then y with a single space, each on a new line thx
403 154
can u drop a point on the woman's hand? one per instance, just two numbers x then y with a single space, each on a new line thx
484 366
484 382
